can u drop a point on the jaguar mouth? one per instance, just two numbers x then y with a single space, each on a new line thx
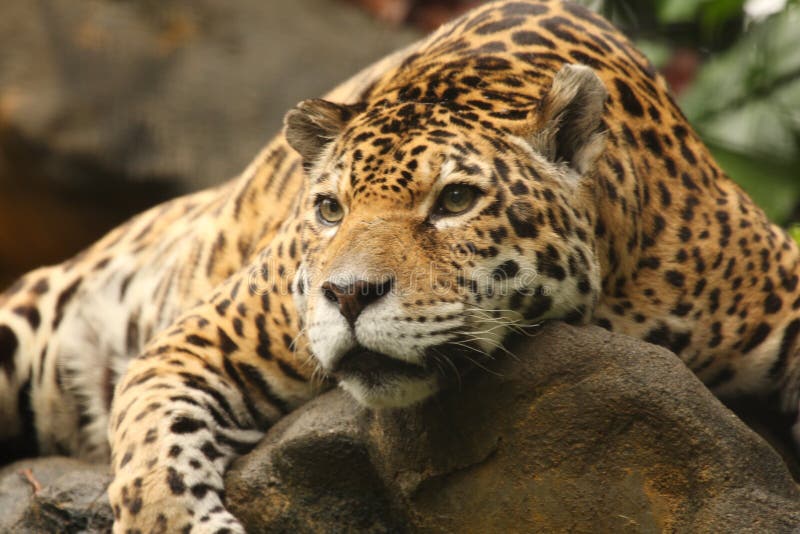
373 368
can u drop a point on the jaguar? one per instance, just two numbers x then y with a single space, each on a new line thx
523 163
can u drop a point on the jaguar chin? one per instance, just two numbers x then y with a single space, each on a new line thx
378 380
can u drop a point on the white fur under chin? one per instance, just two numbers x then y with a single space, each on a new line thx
396 393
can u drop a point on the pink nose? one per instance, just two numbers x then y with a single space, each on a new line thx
353 298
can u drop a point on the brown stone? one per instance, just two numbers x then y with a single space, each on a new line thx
585 431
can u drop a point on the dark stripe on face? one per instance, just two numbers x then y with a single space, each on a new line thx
505 270
521 217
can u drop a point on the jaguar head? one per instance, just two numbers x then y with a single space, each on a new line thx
432 232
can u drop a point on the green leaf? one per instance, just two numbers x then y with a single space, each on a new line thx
772 185
748 98
657 52
671 11
745 103
794 231
718 12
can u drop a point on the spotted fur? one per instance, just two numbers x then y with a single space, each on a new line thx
191 329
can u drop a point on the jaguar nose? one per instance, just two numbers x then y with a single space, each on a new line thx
352 299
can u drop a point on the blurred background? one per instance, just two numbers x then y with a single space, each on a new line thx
108 107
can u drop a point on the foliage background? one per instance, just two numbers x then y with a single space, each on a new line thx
735 67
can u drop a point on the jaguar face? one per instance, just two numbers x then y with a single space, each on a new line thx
430 234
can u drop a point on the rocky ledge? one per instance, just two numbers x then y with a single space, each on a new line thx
583 431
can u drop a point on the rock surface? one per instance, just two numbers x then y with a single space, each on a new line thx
54 495
586 431
109 107
178 88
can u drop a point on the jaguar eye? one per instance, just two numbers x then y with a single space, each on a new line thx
456 198
329 211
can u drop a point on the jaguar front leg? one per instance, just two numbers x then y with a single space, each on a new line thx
201 394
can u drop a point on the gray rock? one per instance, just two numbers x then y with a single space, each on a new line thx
72 497
586 431
107 108
177 89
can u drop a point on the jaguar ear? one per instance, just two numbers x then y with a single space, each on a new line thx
311 125
571 118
